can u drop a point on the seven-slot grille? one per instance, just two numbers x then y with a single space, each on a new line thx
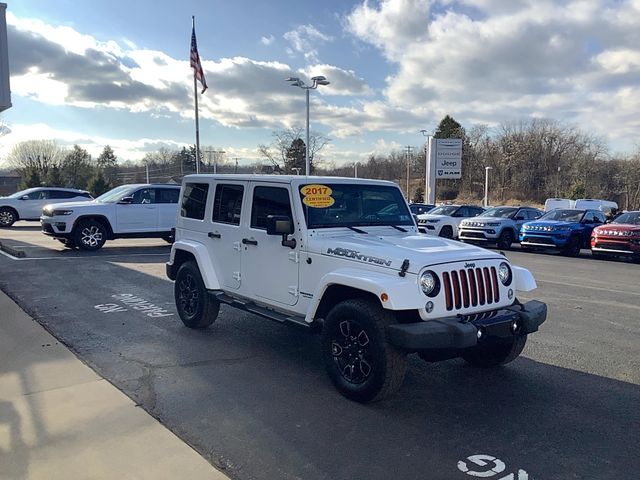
470 287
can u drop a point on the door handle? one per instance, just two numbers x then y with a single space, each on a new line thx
247 241
214 235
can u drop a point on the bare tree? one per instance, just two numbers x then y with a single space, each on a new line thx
278 151
35 158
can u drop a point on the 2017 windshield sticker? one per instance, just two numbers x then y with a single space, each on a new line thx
317 196
347 253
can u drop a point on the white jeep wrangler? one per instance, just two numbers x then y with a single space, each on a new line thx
344 255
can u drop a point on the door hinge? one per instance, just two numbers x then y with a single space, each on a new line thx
294 257
236 246
237 276
294 291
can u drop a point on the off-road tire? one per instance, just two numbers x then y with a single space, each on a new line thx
196 308
446 232
358 357
89 235
496 353
8 217
573 247
506 239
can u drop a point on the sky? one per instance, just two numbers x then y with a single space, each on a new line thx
117 72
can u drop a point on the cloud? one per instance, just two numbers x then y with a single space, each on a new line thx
493 60
304 40
267 40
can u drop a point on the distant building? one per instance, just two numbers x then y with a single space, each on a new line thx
9 184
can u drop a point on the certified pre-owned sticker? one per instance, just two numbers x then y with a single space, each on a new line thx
317 196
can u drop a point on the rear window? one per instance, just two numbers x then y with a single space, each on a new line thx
194 200
227 204
167 195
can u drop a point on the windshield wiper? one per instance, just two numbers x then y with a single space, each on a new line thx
399 228
357 230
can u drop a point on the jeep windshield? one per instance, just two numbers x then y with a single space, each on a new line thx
563 215
355 205
500 212
114 195
444 210
632 218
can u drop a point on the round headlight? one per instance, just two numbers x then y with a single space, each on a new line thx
504 273
429 283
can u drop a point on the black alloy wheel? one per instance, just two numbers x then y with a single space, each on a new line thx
360 361
446 232
505 240
196 307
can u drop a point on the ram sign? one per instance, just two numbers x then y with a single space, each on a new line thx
5 93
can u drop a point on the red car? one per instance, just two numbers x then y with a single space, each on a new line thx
620 237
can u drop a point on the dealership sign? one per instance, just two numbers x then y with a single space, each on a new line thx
448 157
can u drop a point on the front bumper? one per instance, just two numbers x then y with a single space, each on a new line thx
545 241
56 227
458 333
615 246
478 234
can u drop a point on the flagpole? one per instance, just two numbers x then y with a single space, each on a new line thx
195 96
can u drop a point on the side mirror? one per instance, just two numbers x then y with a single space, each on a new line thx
279 225
126 200
24 197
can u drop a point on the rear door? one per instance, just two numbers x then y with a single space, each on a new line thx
167 204
269 270
225 233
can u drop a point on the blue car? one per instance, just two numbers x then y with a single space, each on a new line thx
567 230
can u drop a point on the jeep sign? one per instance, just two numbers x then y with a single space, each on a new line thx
448 156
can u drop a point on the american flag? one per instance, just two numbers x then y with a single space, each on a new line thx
195 61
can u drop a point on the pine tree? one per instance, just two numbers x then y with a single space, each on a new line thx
108 163
449 128
98 184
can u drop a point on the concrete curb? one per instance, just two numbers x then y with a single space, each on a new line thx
12 251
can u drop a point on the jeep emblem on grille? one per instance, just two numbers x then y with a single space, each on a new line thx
469 265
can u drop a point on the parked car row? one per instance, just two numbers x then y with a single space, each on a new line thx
78 220
565 229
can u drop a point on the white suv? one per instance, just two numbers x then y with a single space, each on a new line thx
444 220
27 204
343 256
127 211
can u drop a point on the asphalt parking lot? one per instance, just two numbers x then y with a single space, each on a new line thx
252 397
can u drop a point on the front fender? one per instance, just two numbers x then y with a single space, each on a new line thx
201 256
401 295
523 279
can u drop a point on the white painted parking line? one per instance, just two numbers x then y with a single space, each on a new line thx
86 257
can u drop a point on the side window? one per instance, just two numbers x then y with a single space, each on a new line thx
58 194
227 204
588 217
167 195
194 200
600 217
462 212
144 196
269 201
475 211
39 195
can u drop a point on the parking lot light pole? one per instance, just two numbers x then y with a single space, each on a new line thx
296 82
486 186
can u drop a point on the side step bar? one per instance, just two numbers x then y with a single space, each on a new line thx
249 306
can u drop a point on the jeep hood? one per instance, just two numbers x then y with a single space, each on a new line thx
553 223
60 206
390 251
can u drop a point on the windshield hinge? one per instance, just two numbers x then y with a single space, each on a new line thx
404 267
